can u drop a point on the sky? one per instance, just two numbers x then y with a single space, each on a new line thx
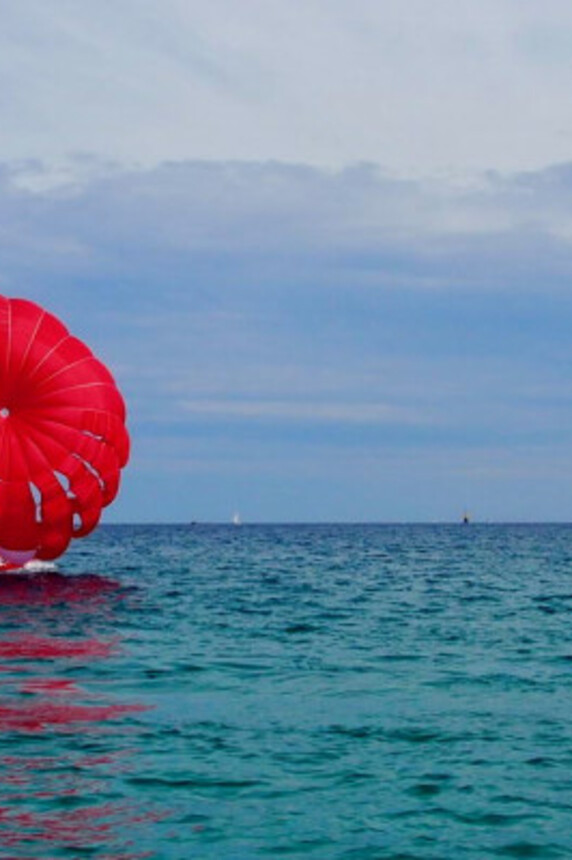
325 248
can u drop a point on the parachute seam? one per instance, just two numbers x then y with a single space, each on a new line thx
8 342
67 367
50 352
71 426
83 385
33 336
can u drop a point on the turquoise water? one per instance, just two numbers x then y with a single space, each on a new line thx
321 691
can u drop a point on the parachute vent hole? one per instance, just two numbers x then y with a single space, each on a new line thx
94 472
63 480
4 412
37 496
77 522
93 435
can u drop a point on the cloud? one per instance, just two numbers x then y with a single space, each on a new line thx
306 411
262 222
419 88
269 322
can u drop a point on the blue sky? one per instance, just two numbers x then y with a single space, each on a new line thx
325 248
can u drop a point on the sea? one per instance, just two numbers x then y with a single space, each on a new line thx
338 692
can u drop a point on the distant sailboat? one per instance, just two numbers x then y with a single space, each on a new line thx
236 521
466 518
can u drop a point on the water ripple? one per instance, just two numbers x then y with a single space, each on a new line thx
336 692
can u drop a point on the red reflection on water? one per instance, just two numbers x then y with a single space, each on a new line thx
51 705
83 828
50 686
41 648
39 715
22 769
99 856
49 587
97 821
42 776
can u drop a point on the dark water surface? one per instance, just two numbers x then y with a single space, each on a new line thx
227 693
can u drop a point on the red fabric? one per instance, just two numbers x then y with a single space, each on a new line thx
63 439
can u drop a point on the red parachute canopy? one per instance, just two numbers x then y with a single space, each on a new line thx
62 434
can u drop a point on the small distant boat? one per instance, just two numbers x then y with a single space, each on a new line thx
466 518
236 521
